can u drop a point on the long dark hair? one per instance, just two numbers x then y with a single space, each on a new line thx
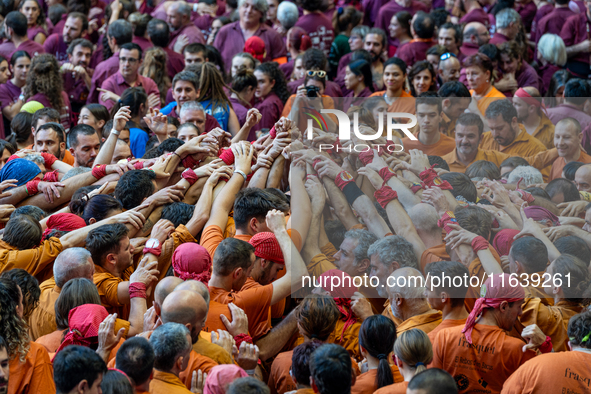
377 336
13 329
97 207
133 98
363 68
44 77
271 69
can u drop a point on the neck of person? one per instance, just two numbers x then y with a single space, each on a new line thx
404 3
454 313
430 138
16 40
404 38
131 80
143 387
223 282
419 310
358 89
17 82
574 157
532 121
483 90
471 5
372 362
430 239
306 12
466 159
249 27
488 318
391 93
504 32
293 53
407 372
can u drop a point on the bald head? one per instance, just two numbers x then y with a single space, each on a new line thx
476 33
583 178
406 292
449 69
184 307
532 91
425 218
164 288
196 286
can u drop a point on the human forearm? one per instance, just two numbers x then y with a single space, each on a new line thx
202 209
406 197
339 203
404 227
488 262
71 185
138 308
225 201
61 167
301 211
10 111
259 179
374 222
105 154
272 343
276 173
311 247
192 195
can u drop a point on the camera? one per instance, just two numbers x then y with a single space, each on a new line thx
313 91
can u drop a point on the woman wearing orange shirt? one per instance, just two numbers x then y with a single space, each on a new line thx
479 71
412 352
398 99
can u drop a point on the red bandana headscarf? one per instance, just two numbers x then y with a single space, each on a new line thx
83 321
220 377
503 241
192 261
63 222
267 247
538 213
256 47
495 290
342 295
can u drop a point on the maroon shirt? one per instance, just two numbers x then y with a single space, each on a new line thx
101 73
33 31
143 42
527 13
59 27
575 31
287 68
56 46
116 84
193 34
390 9
498 39
525 76
320 30
556 114
230 41
76 90
271 108
546 72
65 113
372 8
345 60
553 22
350 100
9 94
239 109
478 15
175 62
332 89
29 46
466 50
414 51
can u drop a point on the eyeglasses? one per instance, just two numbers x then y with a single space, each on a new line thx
446 56
312 73
128 59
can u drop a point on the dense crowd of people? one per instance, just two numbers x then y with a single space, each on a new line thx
226 196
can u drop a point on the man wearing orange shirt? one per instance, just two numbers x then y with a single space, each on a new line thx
455 99
78 369
567 139
408 304
429 139
136 359
506 134
528 104
447 295
53 139
172 346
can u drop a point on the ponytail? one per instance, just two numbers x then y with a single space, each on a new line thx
377 336
414 348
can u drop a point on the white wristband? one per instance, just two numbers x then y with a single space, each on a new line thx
115 131
241 173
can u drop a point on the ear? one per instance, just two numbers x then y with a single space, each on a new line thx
72 151
101 123
111 259
446 102
92 221
63 145
82 387
395 265
179 363
444 297
480 138
363 266
253 224
237 273
398 299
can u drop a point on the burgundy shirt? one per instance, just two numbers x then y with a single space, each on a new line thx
76 90
116 84
143 42
175 63
29 46
546 72
193 34
65 112
350 101
498 39
390 9
33 31
271 108
287 68
542 12
239 109
59 27
9 93
553 22
320 30
56 46
230 41
414 51
527 13
101 73
478 15
556 114
332 89
466 50
575 31
345 60
525 76
372 8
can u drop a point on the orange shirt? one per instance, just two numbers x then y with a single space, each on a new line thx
107 284
426 322
34 375
550 320
483 366
217 353
446 323
545 132
42 320
68 158
167 383
523 145
213 321
396 388
196 361
565 372
433 254
255 302
37 261
51 341
448 126
485 101
366 382
558 166
442 147
405 103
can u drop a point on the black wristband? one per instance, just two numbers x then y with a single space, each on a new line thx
352 192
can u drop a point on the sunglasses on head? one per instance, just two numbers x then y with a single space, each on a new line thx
446 56
312 73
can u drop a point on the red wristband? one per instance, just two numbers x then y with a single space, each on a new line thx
138 165
99 171
155 251
49 159
189 162
342 179
386 173
366 157
227 156
526 196
479 243
51 176
315 163
447 218
273 133
137 289
242 338
416 187
384 195
33 187
190 176
546 347
430 178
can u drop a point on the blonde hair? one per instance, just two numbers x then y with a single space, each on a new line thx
414 347
552 49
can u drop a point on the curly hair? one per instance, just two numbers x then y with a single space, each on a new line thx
271 69
12 328
29 287
44 77
154 67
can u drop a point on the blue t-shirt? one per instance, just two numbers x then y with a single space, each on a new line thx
168 109
220 113
138 139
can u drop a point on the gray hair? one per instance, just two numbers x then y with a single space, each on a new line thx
71 263
184 9
409 283
529 174
169 342
507 16
190 106
75 171
394 248
360 31
552 49
35 158
287 14
365 240
259 5
425 218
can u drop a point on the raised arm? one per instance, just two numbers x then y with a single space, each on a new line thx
121 118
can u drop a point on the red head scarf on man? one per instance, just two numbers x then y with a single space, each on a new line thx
503 241
267 247
192 261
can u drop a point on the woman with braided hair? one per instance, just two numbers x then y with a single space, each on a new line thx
45 85
30 368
